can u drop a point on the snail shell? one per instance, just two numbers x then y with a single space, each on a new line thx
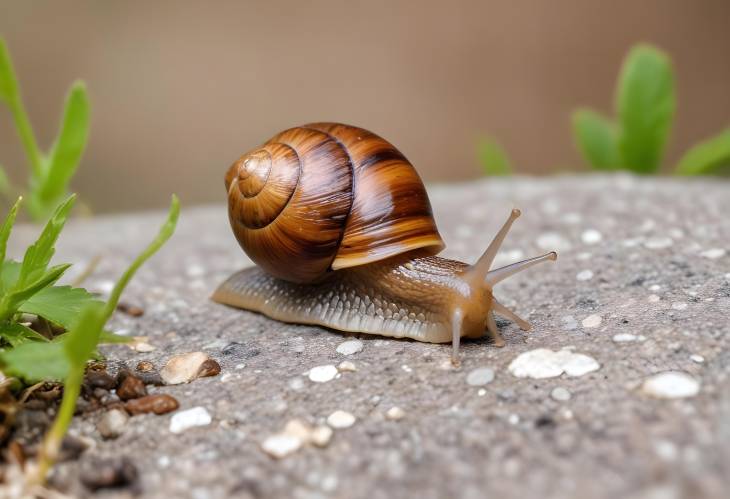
327 196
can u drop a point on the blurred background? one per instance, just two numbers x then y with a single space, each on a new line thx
180 89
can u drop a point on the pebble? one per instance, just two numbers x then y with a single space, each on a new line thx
108 473
584 275
591 236
145 366
670 385
713 253
593 320
544 363
321 436
350 347
395 414
658 243
112 423
560 394
569 322
627 337
346 366
159 404
281 445
183 420
131 388
322 374
480 376
553 241
99 379
697 358
340 420
186 367
679 305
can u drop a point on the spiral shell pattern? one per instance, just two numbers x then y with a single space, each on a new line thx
327 196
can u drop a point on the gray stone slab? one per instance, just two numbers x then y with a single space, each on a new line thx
652 274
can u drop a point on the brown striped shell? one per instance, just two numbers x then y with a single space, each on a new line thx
326 196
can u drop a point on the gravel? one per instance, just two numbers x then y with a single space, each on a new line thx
508 439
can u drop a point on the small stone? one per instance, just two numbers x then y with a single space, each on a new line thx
395 414
321 436
679 305
112 423
591 236
713 253
183 420
584 275
481 392
145 366
128 309
697 358
131 388
322 374
346 366
108 473
671 384
560 394
159 404
513 419
593 320
298 428
340 420
544 363
627 337
480 376
186 367
99 379
658 243
350 347
281 445
569 322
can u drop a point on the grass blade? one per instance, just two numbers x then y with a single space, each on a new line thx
7 227
709 157
8 82
595 137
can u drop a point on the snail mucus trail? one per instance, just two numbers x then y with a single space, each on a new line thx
342 232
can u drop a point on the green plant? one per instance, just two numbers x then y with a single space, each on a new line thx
492 157
29 287
645 105
50 173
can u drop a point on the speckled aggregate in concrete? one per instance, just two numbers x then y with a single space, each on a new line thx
654 249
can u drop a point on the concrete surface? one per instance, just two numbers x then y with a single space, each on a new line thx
659 270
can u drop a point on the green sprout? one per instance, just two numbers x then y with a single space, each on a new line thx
492 157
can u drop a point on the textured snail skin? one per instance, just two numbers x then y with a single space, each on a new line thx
341 228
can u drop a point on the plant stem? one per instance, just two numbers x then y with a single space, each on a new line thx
27 136
52 442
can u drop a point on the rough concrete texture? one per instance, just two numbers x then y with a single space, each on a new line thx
648 257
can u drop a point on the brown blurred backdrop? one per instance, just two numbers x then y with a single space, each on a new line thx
180 89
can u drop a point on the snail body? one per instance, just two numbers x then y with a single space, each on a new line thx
341 228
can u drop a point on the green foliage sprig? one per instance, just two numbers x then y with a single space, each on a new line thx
51 172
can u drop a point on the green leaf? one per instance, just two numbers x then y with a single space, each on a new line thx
645 105
36 361
11 301
9 272
17 334
66 152
493 157
595 137
8 81
166 231
709 157
113 338
58 304
39 254
81 342
7 227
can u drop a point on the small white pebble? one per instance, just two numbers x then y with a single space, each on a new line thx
350 347
281 445
143 347
184 368
713 253
322 374
671 384
181 421
480 376
544 363
679 305
560 394
653 298
346 366
321 436
593 320
658 243
591 236
655 287
406 368
513 419
395 413
340 420
584 275
481 392
239 366
226 377
697 358
627 337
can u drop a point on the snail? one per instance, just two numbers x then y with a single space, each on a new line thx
341 228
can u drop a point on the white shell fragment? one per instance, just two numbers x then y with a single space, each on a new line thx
671 385
544 363
350 347
183 420
480 376
322 374
593 320
183 368
346 366
281 445
340 420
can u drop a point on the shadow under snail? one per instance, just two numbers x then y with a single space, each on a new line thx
340 226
